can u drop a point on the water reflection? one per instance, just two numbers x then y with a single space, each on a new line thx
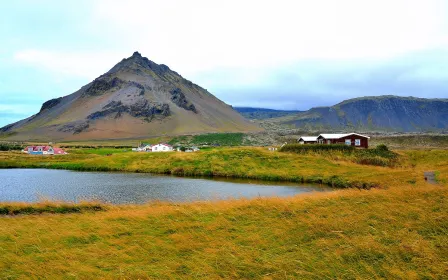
32 185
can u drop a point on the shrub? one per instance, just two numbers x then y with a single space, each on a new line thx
382 147
300 148
10 147
218 139
53 208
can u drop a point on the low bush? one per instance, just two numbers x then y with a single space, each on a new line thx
382 147
65 208
300 148
10 147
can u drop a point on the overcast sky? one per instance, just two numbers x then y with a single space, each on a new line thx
275 54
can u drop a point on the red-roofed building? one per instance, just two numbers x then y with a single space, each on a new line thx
43 150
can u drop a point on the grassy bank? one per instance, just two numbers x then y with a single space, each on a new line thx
379 156
255 163
399 233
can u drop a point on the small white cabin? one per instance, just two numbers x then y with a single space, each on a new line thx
307 140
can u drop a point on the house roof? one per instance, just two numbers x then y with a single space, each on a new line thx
308 138
164 144
338 136
59 151
36 148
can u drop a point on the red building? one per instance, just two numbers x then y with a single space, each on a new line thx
351 139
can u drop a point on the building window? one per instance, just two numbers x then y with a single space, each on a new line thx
348 142
328 141
357 142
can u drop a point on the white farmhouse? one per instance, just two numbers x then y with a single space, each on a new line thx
162 147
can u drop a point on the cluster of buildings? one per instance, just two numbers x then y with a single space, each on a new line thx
350 139
44 150
163 147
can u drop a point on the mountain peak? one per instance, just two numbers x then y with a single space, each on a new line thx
136 63
136 54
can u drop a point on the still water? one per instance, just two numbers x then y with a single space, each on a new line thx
31 185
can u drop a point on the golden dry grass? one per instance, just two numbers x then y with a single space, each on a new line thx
399 233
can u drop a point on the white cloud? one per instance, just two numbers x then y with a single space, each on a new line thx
196 36
82 64
199 35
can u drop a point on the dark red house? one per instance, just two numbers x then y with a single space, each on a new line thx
351 139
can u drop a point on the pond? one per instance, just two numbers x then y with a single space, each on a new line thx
32 185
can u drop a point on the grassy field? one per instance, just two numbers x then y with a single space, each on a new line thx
398 230
243 162
399 233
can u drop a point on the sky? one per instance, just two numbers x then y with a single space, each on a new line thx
278 54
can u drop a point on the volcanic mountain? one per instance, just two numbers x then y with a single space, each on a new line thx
136 98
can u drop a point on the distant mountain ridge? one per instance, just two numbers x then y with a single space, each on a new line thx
375 113
262 113
135 98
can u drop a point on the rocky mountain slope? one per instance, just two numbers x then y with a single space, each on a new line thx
379 113
136 98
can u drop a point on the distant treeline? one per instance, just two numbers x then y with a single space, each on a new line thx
94 147
210 139
10 147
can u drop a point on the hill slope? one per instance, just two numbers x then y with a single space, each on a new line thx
379 113
136 98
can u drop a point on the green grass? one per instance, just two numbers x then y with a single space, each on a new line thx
221 139
100 151
180 140
211 139
334 169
